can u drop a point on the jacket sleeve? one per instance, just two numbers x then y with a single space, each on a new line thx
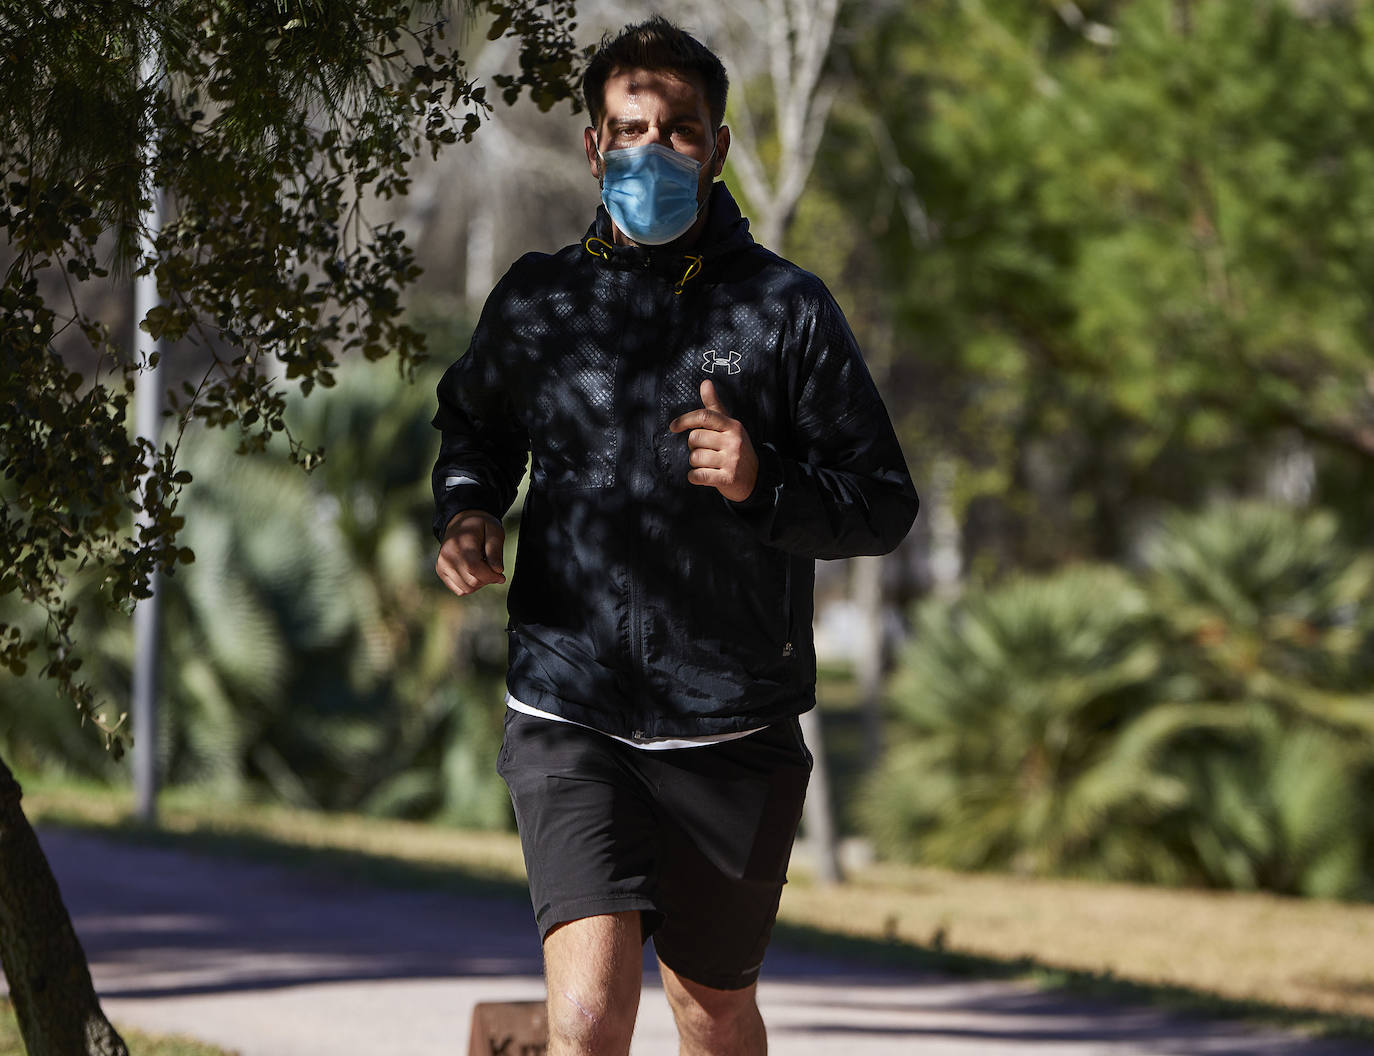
841 487
483 444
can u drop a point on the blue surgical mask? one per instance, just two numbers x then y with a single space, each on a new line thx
650 192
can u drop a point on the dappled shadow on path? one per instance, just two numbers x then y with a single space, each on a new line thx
944 1015
160 921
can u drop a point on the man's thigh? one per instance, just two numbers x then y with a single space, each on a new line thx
730 814
587 823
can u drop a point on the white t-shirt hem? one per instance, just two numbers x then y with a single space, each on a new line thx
650 744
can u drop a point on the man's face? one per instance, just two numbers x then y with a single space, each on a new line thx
663 107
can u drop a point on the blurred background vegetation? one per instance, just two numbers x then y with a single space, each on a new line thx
1109 261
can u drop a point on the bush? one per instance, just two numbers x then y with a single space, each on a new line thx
1209 720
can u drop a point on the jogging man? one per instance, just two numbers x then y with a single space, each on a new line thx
701 427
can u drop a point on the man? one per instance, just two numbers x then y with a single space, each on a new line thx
702 427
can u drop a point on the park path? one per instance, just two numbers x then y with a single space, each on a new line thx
277 961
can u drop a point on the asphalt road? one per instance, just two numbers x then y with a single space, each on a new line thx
276 961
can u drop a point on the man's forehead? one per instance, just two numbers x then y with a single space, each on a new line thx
682 90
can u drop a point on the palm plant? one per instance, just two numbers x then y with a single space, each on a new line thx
443 660
1032 732
1210 722
1268 611
265 600
308 651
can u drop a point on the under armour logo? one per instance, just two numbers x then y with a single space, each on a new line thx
711 359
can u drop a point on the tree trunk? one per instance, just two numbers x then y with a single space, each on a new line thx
50 984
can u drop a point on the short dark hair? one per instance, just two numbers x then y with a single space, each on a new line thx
655 44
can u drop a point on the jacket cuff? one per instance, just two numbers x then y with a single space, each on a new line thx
764 497
462 497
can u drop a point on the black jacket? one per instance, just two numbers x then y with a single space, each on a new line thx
643 605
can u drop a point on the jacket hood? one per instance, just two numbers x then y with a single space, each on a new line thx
726 233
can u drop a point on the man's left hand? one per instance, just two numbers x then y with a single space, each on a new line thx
721 454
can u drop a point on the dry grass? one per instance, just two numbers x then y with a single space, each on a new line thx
11 1044
1304 955
1298 954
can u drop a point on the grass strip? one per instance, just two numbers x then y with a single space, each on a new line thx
1300 964
140 1044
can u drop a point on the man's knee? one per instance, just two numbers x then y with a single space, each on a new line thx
713 1020
592 967
589 1021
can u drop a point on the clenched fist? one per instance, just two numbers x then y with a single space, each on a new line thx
721 454
470 555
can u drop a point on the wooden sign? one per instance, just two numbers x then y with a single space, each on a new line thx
509 1028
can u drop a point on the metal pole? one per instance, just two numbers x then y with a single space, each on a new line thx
867 587
818 817
148 418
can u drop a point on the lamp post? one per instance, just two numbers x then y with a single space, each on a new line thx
148 420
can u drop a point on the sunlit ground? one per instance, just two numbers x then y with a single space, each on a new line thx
1296 954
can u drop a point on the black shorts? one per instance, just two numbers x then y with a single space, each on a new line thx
696 839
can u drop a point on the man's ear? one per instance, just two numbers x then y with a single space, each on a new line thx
722 149
593 159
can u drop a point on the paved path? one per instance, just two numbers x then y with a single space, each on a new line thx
273 961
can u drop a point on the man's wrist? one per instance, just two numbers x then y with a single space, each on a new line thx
474 511
766 481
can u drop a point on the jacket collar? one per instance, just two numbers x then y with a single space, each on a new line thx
726 232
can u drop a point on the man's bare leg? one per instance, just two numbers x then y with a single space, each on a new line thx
714 1022
593 970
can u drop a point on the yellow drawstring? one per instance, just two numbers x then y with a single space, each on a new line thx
599 247
688 275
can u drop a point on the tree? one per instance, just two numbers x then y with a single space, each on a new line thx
778 139
44 965
1118 244
275 124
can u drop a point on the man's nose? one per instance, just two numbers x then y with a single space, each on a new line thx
655 134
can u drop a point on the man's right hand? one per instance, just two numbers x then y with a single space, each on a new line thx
470 555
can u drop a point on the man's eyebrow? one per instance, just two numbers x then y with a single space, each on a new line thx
687 117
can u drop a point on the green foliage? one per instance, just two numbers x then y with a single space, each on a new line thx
1209 720
1028 737
549 62
268 127
1269 614
309 652
1120 251
1270 605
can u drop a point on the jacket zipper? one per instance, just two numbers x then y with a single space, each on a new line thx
637 674
787 609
